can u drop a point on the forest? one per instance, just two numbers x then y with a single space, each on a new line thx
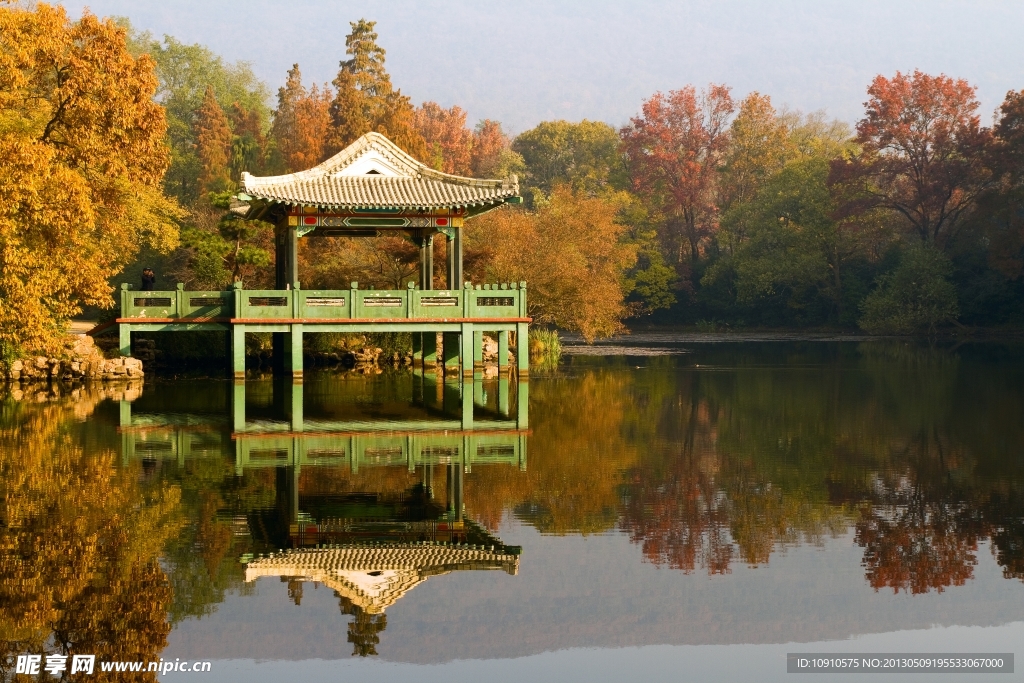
120 150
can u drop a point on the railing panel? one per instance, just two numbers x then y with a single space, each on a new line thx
436 303
494 302
380 303
323 303
136 304
265 304
208 304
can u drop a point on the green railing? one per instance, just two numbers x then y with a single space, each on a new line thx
506 300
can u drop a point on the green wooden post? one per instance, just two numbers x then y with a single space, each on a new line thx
429 349
450 349
296 352
469 349
478 349
523 348
125 339
502 350
238 406
238 349
523 405
180 301
297 419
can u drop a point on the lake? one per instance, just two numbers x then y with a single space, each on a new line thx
650 509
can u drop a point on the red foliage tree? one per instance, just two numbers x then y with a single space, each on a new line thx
674 151
922 153
449 141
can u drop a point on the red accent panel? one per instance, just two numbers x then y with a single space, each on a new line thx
442 221
309 220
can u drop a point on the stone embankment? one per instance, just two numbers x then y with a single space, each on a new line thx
84 362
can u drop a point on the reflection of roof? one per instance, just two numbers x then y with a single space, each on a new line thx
374 172
375 577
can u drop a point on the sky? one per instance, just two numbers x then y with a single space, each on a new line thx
532 60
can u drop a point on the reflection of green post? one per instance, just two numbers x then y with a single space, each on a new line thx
468 388
450 349
239 457
429 349
479 397
503 394
523 349
296 406
523 405
502 350
238 406
478 349
238 351
522 452
126 413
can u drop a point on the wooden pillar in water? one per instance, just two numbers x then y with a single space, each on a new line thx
502 350
478 349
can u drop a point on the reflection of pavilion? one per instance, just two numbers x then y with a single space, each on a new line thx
374 577
369 547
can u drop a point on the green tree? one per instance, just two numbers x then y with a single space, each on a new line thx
916 296
185 72
584 156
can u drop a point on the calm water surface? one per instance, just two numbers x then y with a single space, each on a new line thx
655 511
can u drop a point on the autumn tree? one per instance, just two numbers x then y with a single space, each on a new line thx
570 252
449 142
82 157
674 151
366 101
922 146
301 123
759 144
213 145
492 155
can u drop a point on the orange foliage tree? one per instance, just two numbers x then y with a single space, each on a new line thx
213 145
449 142
571 255
82 158
366 101
301 123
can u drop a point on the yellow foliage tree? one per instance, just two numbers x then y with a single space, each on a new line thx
82 157
570 254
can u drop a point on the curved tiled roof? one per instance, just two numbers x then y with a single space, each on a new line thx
407 183
375 577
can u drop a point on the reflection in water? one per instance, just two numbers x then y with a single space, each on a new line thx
373 543
369 487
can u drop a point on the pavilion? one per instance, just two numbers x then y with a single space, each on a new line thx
370 188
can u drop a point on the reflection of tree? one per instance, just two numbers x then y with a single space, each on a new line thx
79 542
916 547
364 629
